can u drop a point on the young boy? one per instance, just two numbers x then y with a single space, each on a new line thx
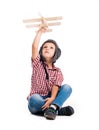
47 93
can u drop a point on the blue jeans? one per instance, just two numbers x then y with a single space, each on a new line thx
36 101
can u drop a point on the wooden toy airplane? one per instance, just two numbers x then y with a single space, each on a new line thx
48 21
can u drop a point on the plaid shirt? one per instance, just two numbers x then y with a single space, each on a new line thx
39 83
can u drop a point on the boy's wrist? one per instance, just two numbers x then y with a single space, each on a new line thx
52 98
40 31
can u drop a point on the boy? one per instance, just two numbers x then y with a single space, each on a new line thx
47 93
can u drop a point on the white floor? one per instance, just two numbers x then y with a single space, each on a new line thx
78 38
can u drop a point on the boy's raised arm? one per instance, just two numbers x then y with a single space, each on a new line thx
35 44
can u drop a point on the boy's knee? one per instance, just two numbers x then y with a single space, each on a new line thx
67 88
35 100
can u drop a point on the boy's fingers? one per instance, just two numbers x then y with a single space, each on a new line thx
44 107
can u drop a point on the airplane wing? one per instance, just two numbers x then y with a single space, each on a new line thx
39 19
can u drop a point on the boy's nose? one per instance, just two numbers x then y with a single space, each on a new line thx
47 48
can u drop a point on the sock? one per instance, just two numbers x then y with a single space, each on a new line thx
53 106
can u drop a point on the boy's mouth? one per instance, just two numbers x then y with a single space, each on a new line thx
46 52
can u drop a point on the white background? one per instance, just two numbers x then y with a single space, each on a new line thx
78 38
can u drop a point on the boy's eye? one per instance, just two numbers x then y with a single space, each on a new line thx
48 47
45 47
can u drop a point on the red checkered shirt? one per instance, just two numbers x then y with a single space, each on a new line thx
39 83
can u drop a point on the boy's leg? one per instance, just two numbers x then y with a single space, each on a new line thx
35 103
63 95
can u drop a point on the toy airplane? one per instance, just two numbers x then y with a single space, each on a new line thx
48 21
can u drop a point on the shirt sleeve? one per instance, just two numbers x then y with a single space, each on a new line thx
35 62
59 78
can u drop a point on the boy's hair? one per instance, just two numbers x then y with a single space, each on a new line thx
56 54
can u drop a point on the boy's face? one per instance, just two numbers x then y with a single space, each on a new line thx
48 50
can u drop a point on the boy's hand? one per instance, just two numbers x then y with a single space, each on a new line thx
48 101
43 26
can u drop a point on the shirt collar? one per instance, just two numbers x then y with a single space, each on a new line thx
54 67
